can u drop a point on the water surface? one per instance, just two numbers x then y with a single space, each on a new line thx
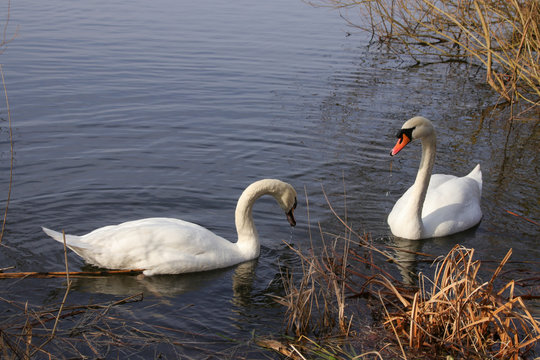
124 110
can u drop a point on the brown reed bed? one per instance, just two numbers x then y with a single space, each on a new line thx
316 302
455 312
501 36
449 313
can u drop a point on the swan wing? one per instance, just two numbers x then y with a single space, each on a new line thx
452 204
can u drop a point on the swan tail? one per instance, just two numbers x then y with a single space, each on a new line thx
476 175
72 241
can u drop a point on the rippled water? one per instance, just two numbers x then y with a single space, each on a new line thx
123 110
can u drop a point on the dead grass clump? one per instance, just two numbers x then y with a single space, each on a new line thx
501 35
316 302
27 332
457 312
320 306
451 313
322 299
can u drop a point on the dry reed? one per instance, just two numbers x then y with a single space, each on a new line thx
503 36
455 312
316 303
319 299
4 41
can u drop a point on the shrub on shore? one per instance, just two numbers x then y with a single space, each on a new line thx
502 36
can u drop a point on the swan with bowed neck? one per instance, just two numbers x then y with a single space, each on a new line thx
435 205
173 246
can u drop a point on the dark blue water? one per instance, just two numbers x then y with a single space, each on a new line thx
124 110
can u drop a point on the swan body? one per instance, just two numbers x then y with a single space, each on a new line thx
435 205
173 246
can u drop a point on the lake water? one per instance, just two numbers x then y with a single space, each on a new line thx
123 110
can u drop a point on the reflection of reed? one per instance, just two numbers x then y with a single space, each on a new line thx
408 253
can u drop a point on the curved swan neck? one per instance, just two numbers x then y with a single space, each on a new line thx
429 145
248 238
243 216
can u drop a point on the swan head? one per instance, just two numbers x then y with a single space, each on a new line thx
287 201
285 196
416 128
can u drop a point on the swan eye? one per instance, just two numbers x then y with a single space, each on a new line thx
406 132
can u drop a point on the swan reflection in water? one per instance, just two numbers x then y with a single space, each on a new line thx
405 251
168 285
409 253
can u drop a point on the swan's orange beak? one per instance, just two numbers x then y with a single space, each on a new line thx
402 141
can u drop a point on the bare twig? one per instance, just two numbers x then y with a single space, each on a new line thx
72 274
68 287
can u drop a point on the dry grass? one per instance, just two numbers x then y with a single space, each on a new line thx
322 300
456 312
450 313
503 36
34 333
316 303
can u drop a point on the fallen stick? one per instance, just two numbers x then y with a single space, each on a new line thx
56 274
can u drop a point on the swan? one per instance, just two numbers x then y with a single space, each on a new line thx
173 246
435 205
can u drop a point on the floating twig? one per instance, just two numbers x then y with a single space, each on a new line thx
72 274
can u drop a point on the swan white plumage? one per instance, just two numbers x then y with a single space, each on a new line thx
173 246
435 205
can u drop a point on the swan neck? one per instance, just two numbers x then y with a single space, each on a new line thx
248 238
423 176
245 227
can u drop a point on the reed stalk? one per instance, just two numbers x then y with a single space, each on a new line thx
454 311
